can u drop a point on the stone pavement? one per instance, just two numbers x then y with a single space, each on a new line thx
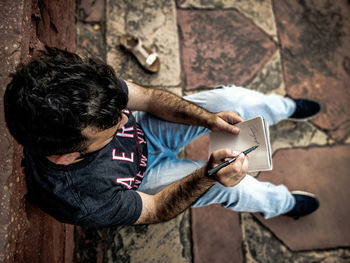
293 48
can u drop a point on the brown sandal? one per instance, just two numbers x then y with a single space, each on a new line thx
147 58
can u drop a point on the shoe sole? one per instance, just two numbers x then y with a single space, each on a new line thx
304 119
303 193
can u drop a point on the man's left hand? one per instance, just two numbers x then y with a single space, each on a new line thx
224 121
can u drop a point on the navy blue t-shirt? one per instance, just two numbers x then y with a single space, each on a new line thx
97 191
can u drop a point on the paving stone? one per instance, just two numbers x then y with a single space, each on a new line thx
221 47
154 22
165 242
91 40
289 134
314 39
325 172
260 245
91 10
258 11
216 235
270 78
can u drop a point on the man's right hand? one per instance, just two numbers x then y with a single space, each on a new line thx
178 196
231 174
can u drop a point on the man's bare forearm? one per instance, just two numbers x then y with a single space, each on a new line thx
181 195
177 197
168 106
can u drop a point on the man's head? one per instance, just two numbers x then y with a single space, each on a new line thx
53 100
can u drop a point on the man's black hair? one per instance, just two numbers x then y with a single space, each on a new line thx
53 98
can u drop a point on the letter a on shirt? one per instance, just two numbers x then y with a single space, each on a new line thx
126 181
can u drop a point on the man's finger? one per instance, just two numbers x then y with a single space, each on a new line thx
240 160
231 116
227 121
236 166
231 128
222 154
245 164
223 125
235 118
